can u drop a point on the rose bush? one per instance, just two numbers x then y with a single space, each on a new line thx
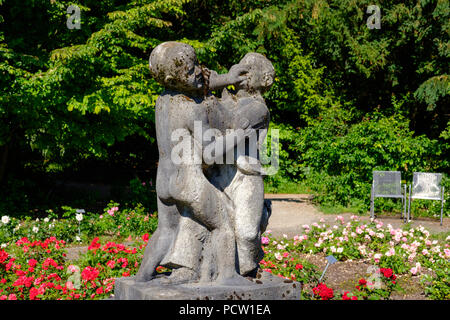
387 247
382 288
322 292
280 259
38 270
408 252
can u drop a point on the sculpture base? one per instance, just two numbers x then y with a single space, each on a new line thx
266 287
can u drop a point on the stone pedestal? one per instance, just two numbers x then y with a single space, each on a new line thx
265 287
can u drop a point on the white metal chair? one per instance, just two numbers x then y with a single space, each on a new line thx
426 186
387 184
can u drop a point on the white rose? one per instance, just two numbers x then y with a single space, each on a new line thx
35 229
5 219
79 217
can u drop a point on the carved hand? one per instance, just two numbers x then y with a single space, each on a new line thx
237 74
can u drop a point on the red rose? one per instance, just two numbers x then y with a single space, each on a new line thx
111 263
3 256
386 272
362 282
32 263
12 296
33 293
323 291
298 266
89 273
94 244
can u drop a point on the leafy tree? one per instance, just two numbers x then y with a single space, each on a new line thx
347 99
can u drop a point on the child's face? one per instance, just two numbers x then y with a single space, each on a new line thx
187 73
193 76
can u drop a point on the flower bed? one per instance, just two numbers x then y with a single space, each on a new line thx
38 269
78 226
409 252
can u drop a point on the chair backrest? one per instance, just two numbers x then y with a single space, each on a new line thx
426 185
387 183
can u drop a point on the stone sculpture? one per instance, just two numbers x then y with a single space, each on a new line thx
209 183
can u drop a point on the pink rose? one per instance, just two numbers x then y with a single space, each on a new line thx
69 285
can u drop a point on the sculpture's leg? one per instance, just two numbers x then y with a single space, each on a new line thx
185 254
160 242
214 209
249 202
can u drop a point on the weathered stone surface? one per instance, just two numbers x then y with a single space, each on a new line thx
211 213
267 287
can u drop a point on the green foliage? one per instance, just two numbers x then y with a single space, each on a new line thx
433 89
438 287
342 156
142 193
77 101
347 99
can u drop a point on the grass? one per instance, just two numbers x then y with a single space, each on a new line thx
441 236
327 209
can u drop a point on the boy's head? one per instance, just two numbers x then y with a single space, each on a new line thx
261 72
175 65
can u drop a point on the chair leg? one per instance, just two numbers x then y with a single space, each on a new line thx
442 206
409 204
372 204
406 203
403 204
403 208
